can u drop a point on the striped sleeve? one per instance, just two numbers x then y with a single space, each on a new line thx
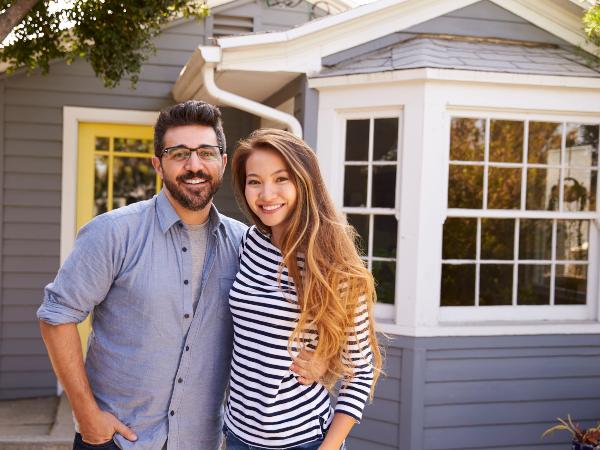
355 391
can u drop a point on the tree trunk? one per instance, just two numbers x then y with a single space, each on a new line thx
13 15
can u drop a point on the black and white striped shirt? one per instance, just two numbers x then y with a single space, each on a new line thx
267 407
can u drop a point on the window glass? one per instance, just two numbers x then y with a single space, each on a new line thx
526 186
370 174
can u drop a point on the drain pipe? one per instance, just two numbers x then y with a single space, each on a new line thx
245 104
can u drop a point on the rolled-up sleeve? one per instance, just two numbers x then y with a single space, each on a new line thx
354 392
86 276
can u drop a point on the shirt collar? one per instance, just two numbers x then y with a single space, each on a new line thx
167 216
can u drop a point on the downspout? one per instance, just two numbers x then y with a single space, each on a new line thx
245 104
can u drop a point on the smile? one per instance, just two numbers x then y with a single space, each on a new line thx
195 181
271 208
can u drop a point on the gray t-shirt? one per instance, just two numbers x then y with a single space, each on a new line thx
198 238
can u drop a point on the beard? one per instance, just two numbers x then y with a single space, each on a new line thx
195 200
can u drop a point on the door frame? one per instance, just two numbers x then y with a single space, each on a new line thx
72 116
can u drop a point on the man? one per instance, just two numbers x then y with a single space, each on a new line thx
156 275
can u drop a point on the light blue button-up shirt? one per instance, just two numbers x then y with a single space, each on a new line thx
160 373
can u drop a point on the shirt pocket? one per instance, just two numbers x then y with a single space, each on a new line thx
225 284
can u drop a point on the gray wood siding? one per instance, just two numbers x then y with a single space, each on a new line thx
481 393
31 109
485 19
379 428
505 391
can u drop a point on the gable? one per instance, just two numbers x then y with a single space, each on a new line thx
486 19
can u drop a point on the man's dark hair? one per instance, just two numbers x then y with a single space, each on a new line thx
192 112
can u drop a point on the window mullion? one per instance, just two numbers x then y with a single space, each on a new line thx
110 178
553 265
525 165
515 263
561 174
477 261
486 156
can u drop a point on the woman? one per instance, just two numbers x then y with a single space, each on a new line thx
301 285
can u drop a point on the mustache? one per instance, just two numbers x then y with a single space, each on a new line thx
190 175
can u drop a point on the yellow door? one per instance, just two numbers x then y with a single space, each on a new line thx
114 169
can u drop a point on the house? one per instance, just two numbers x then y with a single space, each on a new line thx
460 137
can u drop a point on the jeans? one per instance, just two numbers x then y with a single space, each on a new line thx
233 443
79 444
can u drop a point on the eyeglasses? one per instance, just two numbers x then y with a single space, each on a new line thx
181 153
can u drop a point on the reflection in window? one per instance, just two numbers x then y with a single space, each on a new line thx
100 184
506 141
134 180
458 285
465 187
534 284
495 287
542 189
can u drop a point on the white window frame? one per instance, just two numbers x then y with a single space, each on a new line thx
383 312
524 313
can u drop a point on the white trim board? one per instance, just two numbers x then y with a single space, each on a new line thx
72 116
363 24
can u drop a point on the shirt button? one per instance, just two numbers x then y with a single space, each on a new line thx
184 249
185 281
187 316
180 380
187 348
172 413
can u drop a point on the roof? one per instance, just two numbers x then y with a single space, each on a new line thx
460 52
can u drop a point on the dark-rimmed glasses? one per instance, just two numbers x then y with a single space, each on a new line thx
181 153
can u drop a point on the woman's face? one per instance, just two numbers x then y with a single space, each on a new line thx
270 192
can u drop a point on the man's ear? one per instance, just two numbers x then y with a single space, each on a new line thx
157 166
224 161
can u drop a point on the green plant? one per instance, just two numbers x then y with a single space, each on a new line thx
590 436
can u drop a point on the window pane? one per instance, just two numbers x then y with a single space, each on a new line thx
385 236
497 238
361 223
504 188
535 239
100 184
134 180
581 149
385 140
384 273
542 189
572 239
460 236
534 284
465 187
458 285
580 190
571 284
134 145
355 186
357 140
467 139
506 141
384 187
101 143
495 284
544 143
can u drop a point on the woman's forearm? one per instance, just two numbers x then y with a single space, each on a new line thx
338 431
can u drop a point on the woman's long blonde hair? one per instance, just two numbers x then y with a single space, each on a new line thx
334 280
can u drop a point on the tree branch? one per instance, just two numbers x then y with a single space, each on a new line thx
13 15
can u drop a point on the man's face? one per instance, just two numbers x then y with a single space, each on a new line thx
194 182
